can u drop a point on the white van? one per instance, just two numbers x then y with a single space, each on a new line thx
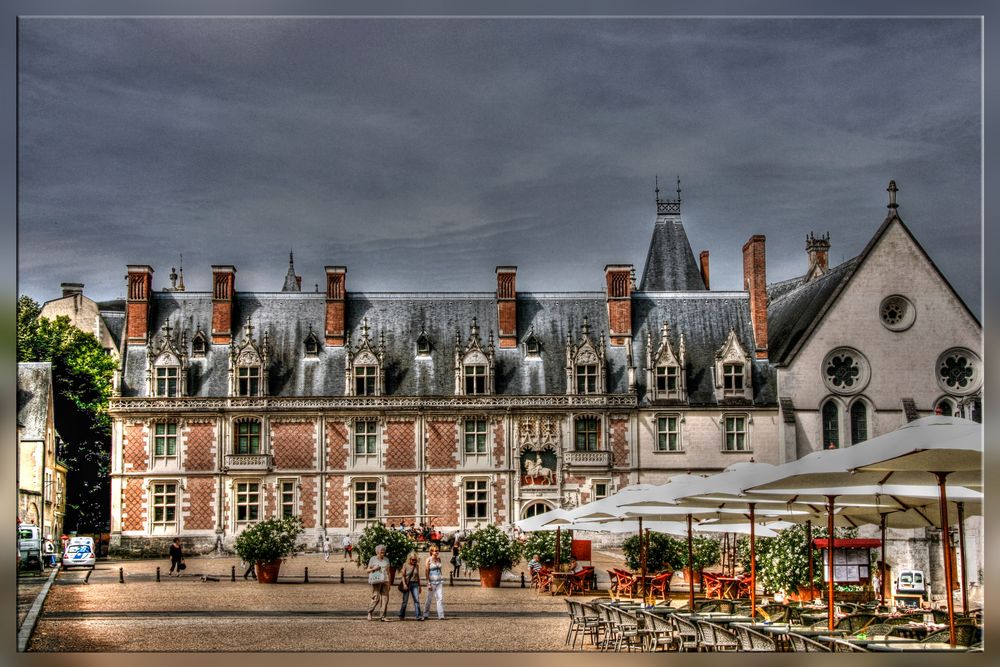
80 552
29 545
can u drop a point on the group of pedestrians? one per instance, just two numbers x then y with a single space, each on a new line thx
411 584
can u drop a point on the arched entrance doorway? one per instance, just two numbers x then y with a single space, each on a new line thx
535 508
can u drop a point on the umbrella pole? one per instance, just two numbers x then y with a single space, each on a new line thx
690 568
945 539
558 542
643 543
809 555
881 565
830 614
753 566
961 547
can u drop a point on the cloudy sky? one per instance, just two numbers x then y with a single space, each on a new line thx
421 153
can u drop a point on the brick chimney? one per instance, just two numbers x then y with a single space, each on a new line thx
755 282
223 294
703 258
818 249
140 284
507 306
336 304
619 296
72 289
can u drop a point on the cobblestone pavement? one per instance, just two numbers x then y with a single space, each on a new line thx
29 585
190 614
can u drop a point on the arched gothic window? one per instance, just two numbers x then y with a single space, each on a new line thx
831 425
859 422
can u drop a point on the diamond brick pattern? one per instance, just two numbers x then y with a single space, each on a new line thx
336 501
622 480
135 449
270 502
499 507
199 511
307 498
401 448
134 505
442 444
498 445
619 442
337 446
294 445
401 496
199 449
442 499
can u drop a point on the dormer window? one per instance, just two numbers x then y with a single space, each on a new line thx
732 380
249 381
423 345
364 365
473 364
666 380
167 365
732 371
585 367
311 344
532 346
248 365
199 344
665 368
586 379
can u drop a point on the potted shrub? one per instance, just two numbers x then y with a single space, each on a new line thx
705 551
398 546
664 553
267 543
491 551
543 543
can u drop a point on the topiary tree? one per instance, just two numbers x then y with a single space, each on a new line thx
398 544
269 540
664 552
705 551
543 543
491 547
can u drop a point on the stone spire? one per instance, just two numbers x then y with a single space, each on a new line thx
292 281
670 264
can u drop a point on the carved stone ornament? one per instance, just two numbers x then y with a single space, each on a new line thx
538 433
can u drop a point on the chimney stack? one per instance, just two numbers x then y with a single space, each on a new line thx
755 282
507 305
71 289
703 257
223 295
818 249
336 304
619 298
140 284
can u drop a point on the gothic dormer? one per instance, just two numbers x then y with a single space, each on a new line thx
532 346
167 359
473 364
665 369
423 345
586 372
199 344
732 370
248 364
364 365
311 345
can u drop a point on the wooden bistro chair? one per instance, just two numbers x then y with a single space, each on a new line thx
712 585
544 579
659 586
743 587
580 582
626 583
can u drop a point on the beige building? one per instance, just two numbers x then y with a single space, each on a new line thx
41 479
104 320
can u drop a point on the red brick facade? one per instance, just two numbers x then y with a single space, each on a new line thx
442 496
307 500
442 449
199 511
336 502
294 445
337 445
400 451
135 448
270 491
499 502
619 442
755 281
199 447
133 504
498 445
401 495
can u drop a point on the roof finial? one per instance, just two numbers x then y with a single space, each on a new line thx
291 280
180 282
892 190
657 190
678 189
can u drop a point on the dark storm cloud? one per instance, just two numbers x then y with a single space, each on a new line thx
421 153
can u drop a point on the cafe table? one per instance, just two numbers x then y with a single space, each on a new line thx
560 583
943 647
729 587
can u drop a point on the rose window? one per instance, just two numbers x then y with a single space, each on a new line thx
845 371
897 313
958 371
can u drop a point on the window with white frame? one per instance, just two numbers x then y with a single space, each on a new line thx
668 381
286 489
167 381
602 489
475 379
476 436
668 433
365 438
247 502
364 380
586 378
164 501
165 440
735 436
365 501
247 437
47 485
586 439
248 381
476 500
732 380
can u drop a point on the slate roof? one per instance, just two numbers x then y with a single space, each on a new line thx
705 318
34 383
670 264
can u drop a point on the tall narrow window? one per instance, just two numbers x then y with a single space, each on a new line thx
166 381
600 490
945 407
247 501
732 379
365 501
667 385
165 439
364 380
475 436
736 434
475 380
859 422
586 434
586 379
476 500
287 498
248 437
831 425
667 434
249 380
164 504
365 437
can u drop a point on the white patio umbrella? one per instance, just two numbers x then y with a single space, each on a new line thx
537 522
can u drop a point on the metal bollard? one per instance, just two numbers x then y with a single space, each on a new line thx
232 574
522 580
121 575
306 579
157 573
451 579
341 575
86 578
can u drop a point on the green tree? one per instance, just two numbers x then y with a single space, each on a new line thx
704 549
664 552
82 375
543 543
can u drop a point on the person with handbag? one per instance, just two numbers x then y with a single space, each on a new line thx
176 557
378 577
435 583
410 586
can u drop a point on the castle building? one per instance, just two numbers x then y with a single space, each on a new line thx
346 407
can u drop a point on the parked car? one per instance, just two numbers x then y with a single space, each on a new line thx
29 546
911 582
80 553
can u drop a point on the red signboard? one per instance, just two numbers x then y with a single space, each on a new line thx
581 550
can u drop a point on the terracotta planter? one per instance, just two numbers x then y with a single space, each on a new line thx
489 577
267 573
688 575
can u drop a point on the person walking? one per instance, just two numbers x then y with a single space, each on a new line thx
378 577
411 587
435 583
347 547
456 557
251 570
176 557
326 548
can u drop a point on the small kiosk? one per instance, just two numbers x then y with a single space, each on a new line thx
851 562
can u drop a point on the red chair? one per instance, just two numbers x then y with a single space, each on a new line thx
743 586
626 583
712 585
544 579
659 586
580 581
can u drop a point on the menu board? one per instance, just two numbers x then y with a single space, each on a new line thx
850 566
